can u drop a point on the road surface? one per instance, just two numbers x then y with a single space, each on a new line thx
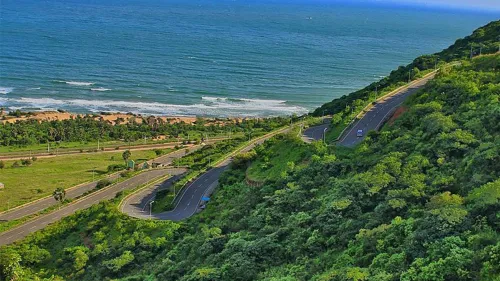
79 190
316 133
42 221
379 113
190 200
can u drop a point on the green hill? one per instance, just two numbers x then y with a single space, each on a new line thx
419 200
484 40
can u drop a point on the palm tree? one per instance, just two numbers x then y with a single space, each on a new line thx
59 194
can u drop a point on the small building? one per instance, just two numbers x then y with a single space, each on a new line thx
2 185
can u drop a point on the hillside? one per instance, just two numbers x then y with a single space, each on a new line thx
417 201
483 40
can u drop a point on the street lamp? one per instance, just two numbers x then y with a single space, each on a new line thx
324 135
150 209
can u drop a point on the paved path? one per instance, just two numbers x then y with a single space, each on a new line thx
42 221
379 113
189 203
315 133
79 190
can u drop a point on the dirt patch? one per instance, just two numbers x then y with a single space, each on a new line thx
400 110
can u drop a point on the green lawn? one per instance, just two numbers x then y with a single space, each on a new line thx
273 159
25 184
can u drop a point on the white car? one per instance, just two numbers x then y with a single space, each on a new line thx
359 133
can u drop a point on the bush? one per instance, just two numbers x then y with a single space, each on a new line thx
2 165
16 165
103 183
34 158
26 162
126 174
116 167
158 152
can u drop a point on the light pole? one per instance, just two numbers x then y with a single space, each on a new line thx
436 64
324 135
409 76
150 209
93 173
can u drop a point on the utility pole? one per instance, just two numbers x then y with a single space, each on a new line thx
324 135
436 64
409 76
97 144
93 173
48 147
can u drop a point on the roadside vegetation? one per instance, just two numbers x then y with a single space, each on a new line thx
83 132
277 157
26 180
417 201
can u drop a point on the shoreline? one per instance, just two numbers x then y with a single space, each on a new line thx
113 118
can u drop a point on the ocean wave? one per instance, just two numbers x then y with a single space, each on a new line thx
246 107
213 99
36 88
243 100
76 83
5 90
100 89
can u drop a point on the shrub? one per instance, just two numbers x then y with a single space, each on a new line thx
103 183
116 167
16 165
158 152
2 165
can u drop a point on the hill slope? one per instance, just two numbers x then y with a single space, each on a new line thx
417 201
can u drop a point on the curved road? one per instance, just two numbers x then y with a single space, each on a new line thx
42 221
316 133
379 113
138 204
79 190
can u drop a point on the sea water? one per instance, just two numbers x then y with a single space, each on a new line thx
208 58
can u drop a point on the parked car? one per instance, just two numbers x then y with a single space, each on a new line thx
359 133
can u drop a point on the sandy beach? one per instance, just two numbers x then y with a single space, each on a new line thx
112 118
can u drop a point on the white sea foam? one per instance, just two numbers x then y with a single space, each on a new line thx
213 99
76 83
5 90
228 107
37 88
100 89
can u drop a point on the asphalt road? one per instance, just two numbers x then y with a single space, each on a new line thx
42 221
316 133
379 113
190 200
79 190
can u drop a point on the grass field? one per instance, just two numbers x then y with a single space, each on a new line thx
25 184
273 159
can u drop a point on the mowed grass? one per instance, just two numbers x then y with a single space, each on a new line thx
273 160
25 184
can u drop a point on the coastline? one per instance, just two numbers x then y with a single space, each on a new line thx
112 118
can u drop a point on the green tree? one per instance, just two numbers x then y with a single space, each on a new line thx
126 155
59 194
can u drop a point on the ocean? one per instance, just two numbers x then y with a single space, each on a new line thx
208 58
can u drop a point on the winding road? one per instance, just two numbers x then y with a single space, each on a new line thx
190 200
79 190
380 112
315 133
134 205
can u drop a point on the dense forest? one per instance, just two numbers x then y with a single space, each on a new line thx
419 200
89 128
